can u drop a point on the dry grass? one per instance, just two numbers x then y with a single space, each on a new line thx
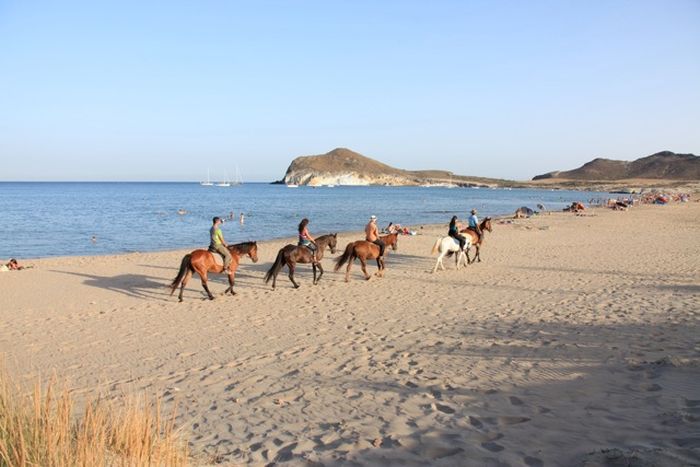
42 428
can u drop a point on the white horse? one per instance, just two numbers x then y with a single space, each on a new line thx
446 246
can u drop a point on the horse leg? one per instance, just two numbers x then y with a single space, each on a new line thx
313 267
478 253
363 264
469 260
231 281
347 270
290 265
320 273
203 276
437 263
188 274
380 273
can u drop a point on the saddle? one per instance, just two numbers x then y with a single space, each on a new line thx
218 258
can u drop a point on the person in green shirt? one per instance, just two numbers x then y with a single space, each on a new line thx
218 244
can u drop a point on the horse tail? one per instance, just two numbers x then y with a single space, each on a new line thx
348 255
436 246
184 266
276 266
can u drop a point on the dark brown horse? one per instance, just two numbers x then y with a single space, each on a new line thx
475 240
292 254
364 250
202 262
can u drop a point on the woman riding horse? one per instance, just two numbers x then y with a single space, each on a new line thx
290 254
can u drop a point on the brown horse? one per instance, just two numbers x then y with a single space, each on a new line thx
202 262
292 254
475 240
364 250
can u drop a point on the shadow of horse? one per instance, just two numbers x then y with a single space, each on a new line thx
131 285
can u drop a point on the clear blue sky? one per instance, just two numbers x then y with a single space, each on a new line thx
163 90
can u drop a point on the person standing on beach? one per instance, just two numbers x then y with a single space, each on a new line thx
474 224
218 244
454 233
372 234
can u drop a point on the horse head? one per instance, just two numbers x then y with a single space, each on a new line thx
486 224
253 252
392 240
333 241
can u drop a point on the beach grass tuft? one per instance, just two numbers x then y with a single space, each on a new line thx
42 427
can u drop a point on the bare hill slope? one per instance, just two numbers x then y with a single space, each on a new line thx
664 165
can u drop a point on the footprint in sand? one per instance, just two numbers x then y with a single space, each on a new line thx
475 422
512 420
444 408
516 401
533 461
493 447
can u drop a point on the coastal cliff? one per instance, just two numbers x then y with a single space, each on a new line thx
342 166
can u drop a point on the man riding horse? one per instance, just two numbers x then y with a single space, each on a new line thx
372 235
218 244
474 224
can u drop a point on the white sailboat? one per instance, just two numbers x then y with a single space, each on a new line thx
238 180
208 182
225 182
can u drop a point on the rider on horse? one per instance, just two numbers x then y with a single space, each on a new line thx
218 244
474 224
305 238
454 233
372 235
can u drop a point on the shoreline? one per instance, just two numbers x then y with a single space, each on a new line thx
570 338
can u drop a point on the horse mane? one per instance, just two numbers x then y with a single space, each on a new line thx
245 246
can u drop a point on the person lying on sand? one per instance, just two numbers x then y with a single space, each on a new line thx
11 265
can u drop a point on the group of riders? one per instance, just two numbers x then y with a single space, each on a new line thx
219 245
473 224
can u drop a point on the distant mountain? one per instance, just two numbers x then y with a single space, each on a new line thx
342 166
664 165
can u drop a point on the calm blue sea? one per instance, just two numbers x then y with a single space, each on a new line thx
60 219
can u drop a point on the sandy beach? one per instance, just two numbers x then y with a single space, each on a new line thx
574 342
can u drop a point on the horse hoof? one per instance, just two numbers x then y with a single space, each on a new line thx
296 286
211 297
179 300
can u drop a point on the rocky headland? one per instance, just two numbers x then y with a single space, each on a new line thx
342 166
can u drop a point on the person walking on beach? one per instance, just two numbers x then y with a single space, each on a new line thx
454 233
474 224
218 244
305 238
372 234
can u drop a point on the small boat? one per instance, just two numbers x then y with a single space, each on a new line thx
225 182
208 182
238 180
292 185
330 186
